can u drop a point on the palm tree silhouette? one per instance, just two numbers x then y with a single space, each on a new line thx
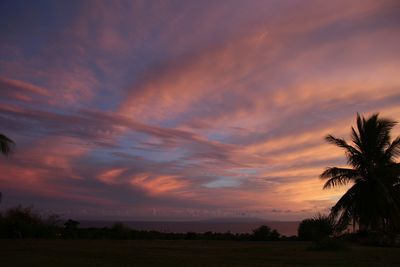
6 145
373 200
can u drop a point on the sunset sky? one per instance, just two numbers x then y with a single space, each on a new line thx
188 110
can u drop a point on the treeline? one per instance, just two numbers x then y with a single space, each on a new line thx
22 222
121 231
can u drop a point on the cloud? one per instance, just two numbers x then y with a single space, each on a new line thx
16 90
110 176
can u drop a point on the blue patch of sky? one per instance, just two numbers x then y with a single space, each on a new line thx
101 155
245 171
217 136
158 156
223 181
108 96
134 144
33 23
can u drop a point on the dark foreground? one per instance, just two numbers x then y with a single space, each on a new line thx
186 253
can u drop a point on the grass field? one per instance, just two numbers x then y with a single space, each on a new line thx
186 253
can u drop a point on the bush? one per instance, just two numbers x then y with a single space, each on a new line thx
71 229
120 231
317 228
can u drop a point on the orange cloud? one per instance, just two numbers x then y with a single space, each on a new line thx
155 185
111 176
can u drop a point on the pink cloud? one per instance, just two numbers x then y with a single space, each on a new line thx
23 86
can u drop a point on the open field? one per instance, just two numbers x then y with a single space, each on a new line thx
186 253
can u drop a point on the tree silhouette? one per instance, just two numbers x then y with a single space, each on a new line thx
265 233
373 200
6 144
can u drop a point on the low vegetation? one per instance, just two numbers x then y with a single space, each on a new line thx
23 222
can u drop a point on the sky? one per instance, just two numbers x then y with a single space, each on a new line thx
188 110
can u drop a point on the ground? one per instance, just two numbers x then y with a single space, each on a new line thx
186 253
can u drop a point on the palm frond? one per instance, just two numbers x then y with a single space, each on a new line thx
343 210
353 154
341 143
336 171
393 150
355 137
336 181
360 125
339 176
383 128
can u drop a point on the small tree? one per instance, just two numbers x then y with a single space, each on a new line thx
71 229
265 233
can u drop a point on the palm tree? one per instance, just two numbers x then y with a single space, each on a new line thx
6 144
373 200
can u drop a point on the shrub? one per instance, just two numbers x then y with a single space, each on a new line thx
120 231
317 228
71 229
